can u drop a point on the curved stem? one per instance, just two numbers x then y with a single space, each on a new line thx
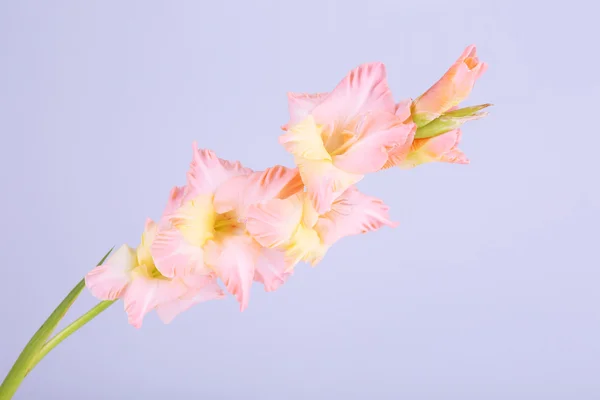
17 372
65 333
20 368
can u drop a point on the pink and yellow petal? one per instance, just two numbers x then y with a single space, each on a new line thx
271 269
397 154
322 179
442 148
110 280
304 140
239 193
324 182
273 223
144 255
275 182
233 259
287 225
174 256
196 219
352 213
364 89
207 172
454 87
376 133
310 215
174 202
144 294
305 245
169 310
301 104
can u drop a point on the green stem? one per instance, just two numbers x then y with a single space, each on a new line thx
65 333
20 368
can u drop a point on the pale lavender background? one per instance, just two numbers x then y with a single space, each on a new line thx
487 290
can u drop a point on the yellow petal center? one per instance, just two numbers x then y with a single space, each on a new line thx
196 220
199 223
145 261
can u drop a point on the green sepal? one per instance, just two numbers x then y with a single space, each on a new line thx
450 120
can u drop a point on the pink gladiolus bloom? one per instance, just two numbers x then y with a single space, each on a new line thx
338 137
204 232
292 225
454 87
131 274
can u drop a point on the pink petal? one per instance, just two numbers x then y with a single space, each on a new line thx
207 172
301 104
175 256
271 269
442 148
273 223
240 192
168 311
403 110
175 200
275 182
109 280
199 278
352 213
144 294
397 154
376 133
454 87
233 260
324 182
364 89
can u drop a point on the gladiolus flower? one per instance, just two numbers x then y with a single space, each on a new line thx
204 232
295 227
240 226
338 137
131 274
